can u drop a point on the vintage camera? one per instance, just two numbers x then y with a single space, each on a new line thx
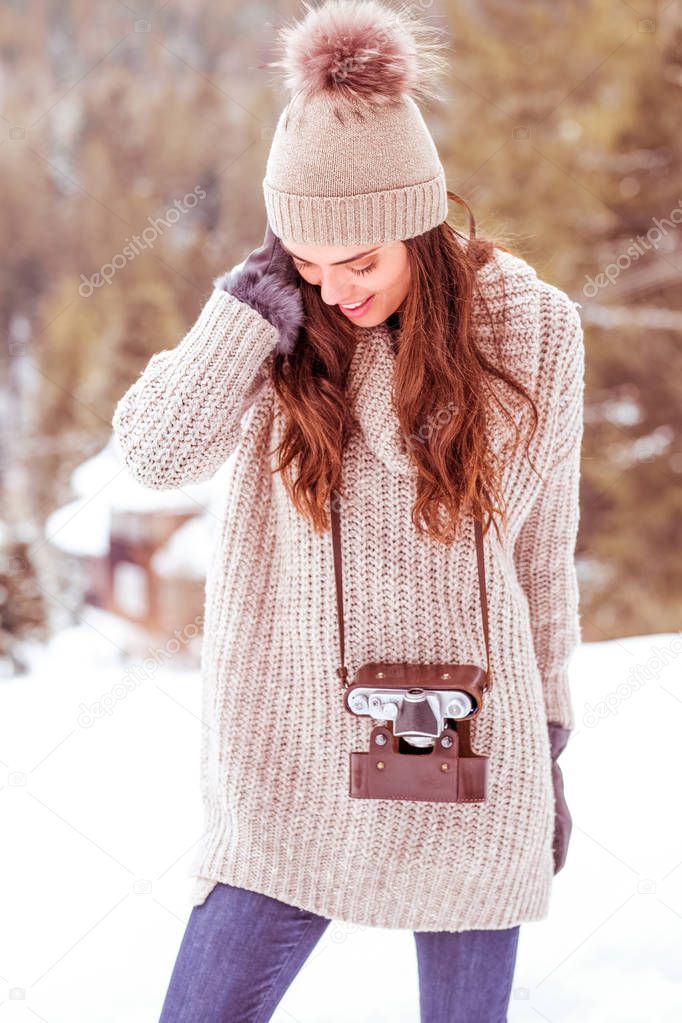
420 747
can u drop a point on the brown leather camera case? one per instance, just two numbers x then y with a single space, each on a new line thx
450 772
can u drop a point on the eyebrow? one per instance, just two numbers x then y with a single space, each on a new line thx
351 259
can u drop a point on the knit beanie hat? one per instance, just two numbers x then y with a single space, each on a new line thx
352 161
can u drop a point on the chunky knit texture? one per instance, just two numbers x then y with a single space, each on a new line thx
276 738
325 186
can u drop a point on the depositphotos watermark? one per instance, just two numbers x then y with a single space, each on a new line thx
445 414
348 65
138 673
139 242
638 676
640 246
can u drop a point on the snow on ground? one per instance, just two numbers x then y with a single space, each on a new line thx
101 816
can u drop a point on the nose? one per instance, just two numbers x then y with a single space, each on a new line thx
332 288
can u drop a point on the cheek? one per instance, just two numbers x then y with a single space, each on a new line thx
381 283
396 279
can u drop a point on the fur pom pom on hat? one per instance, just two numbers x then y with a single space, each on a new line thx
352 161
362 50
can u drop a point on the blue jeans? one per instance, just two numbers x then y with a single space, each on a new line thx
241 951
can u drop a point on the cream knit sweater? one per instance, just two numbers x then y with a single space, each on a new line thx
276 738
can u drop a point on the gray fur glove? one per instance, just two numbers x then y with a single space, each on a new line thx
269 282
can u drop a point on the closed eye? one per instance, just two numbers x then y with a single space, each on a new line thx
364 270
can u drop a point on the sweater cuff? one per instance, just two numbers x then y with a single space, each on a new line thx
216 340
181 418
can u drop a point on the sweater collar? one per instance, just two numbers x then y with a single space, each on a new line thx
507 281
369 391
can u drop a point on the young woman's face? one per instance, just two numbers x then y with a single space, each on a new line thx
376 275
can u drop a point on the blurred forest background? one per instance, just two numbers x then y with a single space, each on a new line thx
561 130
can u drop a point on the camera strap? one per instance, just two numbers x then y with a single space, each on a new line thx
342 671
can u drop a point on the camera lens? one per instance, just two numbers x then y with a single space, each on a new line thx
459 706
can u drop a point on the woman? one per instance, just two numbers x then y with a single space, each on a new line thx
452 392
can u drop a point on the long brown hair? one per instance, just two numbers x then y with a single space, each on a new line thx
438 366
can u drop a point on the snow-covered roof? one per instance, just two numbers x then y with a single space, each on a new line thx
80 527
106 471
103 484
186 553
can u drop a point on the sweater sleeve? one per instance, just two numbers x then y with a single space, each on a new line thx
180 420
545 548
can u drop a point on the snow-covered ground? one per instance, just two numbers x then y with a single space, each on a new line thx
99 797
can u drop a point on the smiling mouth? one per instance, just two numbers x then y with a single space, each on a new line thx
356 308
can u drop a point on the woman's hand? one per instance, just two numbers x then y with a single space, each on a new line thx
268 281
563 823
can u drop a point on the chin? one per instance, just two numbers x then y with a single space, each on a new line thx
374 317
